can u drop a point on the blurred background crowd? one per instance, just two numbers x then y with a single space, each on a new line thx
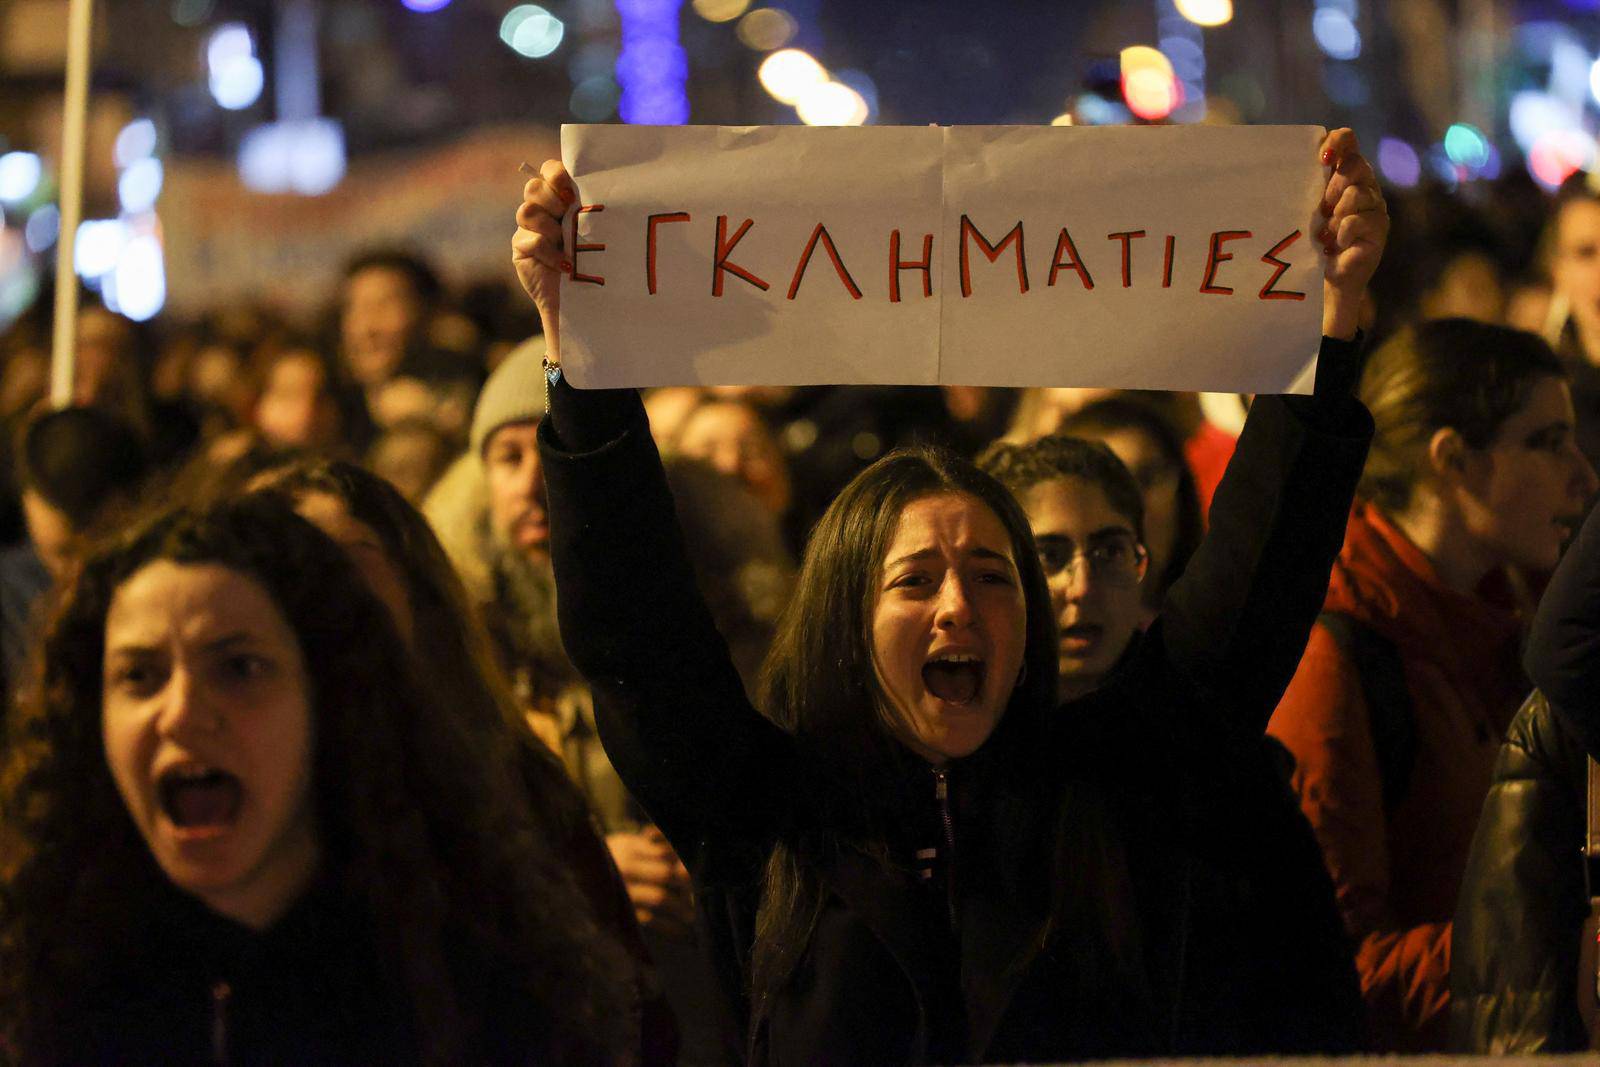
295 256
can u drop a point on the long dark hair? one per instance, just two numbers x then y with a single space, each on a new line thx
820 682
466 905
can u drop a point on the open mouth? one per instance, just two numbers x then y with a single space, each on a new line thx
200 798
955 678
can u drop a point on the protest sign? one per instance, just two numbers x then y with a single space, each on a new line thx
1160 258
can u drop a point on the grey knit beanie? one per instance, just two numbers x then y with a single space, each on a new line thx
513 393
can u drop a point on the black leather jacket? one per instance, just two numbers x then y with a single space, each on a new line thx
1514 948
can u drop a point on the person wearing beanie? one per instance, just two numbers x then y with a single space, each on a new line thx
490 513
73 466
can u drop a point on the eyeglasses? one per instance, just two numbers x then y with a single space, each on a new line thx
1114 558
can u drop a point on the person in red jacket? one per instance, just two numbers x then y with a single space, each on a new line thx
1474 475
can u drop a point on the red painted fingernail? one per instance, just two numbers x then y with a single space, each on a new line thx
1328 249
566 265
567 194
1326 236
1327 210
1327 156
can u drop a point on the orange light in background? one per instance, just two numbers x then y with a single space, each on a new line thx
789 74
1206 12
832 104
1149 85
767 28
720 10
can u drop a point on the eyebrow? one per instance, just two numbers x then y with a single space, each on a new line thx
1102 532
228 641
927 553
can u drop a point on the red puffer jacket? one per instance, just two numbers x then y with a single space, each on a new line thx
1398 872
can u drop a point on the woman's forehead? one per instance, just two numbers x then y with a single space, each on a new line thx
948 521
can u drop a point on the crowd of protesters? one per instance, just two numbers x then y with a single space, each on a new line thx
372 695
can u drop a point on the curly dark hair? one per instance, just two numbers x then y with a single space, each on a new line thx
467 905
448 636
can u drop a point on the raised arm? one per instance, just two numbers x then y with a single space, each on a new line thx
671 708
1237 621
1563 655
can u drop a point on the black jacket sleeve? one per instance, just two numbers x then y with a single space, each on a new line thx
1236 623
671 709
1519 921
1563 653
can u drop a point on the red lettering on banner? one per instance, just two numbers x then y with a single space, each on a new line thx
1166 263
1127 238
992 253
720 264
896 265
1064 244
1272 260
1214 256
821 234
650 243
592 279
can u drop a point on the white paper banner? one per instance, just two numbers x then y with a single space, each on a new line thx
1161 257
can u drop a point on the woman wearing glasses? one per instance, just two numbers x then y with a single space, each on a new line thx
910 854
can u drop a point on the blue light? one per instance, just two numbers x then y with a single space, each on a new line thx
653 68
425 6
1336 33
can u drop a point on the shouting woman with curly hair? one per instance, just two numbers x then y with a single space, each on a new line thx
235 827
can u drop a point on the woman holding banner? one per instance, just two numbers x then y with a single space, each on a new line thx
909 854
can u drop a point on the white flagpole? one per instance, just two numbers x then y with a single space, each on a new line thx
74 121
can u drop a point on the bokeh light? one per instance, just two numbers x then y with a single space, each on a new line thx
99 243
1063 119
1399 163
786 75
140 276
425 6
1148 83
1466 146
1560 153
1206 12
652 68
767 28
234 73
42 229
139 185
530 30
831 104
720 10
20 173
1336 33
136 141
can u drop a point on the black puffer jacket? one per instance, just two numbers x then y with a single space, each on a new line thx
1514 951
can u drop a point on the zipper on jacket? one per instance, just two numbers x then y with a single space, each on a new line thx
941 791
221 993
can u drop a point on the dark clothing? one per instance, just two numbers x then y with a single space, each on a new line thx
1137 781
1514 954
195 988
1563 653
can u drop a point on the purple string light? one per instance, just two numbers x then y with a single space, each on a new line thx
652 68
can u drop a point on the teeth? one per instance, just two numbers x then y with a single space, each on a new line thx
955 657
